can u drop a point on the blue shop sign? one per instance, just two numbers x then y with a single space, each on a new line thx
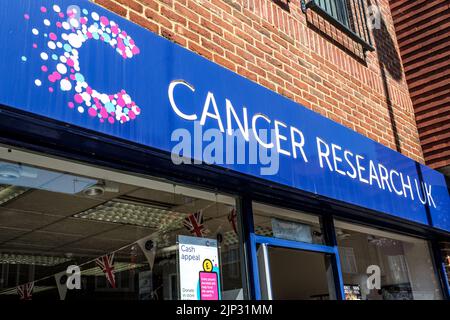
76 62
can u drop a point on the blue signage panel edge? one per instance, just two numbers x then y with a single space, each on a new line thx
76 62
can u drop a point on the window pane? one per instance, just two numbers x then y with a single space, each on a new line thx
445 252
405 265
120 230
335 8
286 224
300 275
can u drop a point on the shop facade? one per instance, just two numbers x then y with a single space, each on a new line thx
124 186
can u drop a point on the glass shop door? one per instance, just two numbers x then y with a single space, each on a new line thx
290 273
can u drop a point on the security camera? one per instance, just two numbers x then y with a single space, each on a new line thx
100 188
149 245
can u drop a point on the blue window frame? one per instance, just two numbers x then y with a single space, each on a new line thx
327 246
332 251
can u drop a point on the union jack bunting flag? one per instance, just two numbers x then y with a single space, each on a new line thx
25 291
232 218
106 264
194 223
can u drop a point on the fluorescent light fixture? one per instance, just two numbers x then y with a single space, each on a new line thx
134 214
263 231
37 260
8 193
230 237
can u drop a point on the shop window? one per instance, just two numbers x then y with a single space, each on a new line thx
286 224
406 270
123 233
445 253
300 268
298 275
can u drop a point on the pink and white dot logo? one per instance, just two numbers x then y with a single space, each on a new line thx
65 33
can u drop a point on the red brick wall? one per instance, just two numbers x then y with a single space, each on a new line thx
271 43
423 29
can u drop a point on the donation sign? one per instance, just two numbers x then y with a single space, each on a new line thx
198 262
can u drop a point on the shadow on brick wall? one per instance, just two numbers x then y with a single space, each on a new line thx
335 36
386 50
390 64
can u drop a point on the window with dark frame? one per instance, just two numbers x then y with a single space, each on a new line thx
336 9
349 16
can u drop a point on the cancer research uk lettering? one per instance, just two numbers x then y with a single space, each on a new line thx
73 61
332 157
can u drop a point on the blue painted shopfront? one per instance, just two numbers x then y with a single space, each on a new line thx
91 68
75 63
